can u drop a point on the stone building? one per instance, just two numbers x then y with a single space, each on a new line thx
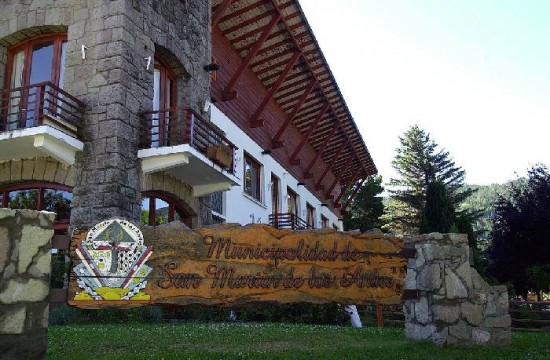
202 111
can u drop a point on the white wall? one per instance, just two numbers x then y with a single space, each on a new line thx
239 206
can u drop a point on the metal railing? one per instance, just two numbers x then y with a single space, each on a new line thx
30 106
288 221
181 125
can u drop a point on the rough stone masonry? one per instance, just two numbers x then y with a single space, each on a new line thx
25 261
455 304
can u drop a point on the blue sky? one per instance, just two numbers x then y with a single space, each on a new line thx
474 74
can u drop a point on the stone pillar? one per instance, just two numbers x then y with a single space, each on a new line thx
455 304
25 262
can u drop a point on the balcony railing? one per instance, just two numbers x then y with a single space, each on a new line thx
40 104
178 126
288 221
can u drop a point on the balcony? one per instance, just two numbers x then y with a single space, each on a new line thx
40 120
183 144
288 221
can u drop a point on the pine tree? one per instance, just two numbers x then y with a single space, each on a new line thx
366 208
420 163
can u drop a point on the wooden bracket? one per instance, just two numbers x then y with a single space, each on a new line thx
257 123
229 95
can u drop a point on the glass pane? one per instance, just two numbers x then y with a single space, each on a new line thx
155 118
23 199
42 63
62 64
41 70
15 97
58 201
161 213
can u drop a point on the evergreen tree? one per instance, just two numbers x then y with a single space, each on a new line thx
519 252
439 213
420 163
366 208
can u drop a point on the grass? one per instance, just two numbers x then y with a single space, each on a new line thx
268 341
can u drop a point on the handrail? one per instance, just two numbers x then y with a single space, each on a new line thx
27 106
288 221
181 125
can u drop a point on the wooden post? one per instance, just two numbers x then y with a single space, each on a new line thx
379 315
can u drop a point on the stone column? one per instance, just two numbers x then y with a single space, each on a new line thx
25 262
455 304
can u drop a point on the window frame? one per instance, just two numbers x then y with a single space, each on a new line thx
61 225
292 196
258 178
325 223
173 208
27 45
310 215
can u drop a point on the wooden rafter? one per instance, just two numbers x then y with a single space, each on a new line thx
348 185
220 10
339 177
276 142
354 193
299 46
332 162
307 174
228 92
289 66
305 138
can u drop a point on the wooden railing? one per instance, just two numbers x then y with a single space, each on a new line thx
177 126
530 315
40 104
288 221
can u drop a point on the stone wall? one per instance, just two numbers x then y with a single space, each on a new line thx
114 83
455 306
25 261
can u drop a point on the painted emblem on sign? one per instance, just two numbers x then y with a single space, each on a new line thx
113 262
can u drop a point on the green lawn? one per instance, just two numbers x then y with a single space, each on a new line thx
267 341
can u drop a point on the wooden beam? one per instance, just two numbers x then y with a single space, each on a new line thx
339 177
276 142
350 199
350 184
332 162
252 53
220 10
305 138
307 174
289 66
299 46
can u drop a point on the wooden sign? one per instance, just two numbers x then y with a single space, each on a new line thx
115 265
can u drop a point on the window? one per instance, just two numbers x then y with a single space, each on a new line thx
40 196
252 178
164 99
310 216
292 202
324 222
159 208
29 63
274 194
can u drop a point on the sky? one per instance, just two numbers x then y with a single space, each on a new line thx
475 74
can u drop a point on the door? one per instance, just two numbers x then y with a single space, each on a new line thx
30 63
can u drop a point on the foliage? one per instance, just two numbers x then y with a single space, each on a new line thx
419 163
520 236
482 201
438 214
366 208
269 341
